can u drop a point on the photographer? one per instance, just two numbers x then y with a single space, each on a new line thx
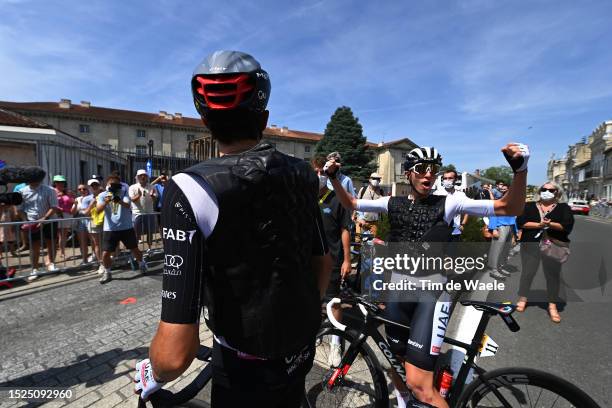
118 225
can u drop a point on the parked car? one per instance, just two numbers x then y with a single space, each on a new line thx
579 207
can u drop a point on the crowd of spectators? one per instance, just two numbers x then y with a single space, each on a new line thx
51 217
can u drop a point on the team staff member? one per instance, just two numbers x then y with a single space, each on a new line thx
429 218
336 224
243 241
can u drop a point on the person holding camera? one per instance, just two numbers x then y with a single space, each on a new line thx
118 225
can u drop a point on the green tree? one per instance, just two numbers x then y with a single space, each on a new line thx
503 173
449 167
344 134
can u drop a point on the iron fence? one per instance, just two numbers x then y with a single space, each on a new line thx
32 248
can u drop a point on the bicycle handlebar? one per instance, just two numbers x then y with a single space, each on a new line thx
330 314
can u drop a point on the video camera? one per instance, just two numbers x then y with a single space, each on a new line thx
115 190
8 175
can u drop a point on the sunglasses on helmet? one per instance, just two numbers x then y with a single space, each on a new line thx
424 168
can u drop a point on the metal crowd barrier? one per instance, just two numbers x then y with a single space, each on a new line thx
16 247
602 210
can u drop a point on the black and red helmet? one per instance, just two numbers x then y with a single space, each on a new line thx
228 80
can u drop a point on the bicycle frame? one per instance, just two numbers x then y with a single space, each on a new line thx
368 327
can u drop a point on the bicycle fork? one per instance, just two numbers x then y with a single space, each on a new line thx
336 376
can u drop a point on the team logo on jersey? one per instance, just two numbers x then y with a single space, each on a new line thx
172 272
173 261
177 235
168 295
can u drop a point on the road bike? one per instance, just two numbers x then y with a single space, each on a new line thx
359 380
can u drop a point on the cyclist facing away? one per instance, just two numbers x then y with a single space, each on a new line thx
426 217
243 241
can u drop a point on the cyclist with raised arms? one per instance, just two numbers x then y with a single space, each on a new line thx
243 241
426 217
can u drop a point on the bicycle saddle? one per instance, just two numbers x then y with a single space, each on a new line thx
503 309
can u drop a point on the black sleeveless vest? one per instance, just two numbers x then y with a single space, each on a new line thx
260 291
418 222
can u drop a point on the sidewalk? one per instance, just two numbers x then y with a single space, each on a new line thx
71 332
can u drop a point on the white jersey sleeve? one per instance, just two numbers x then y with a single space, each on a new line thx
202 200
380 205
461 204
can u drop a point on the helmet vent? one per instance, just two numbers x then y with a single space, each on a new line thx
225 91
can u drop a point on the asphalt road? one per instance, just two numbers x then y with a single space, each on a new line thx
578 349
87 336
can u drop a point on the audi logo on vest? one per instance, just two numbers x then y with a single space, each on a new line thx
168 295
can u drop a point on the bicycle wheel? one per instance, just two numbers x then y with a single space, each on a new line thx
523 387
363 385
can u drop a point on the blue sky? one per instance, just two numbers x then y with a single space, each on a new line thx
465 76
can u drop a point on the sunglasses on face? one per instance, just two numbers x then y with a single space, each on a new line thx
550 190
374 178
424 168
82 189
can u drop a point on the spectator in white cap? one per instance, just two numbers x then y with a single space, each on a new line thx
142 195
368 221
344 180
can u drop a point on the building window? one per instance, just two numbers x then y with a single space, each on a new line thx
307 149
190 137
141 150
84 128
141 133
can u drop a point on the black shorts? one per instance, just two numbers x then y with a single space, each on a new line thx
145 224
110 239
428 319
238 382
47 231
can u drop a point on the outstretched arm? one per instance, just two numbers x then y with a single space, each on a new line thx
347 200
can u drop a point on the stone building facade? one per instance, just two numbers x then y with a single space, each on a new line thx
174 141
586 170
